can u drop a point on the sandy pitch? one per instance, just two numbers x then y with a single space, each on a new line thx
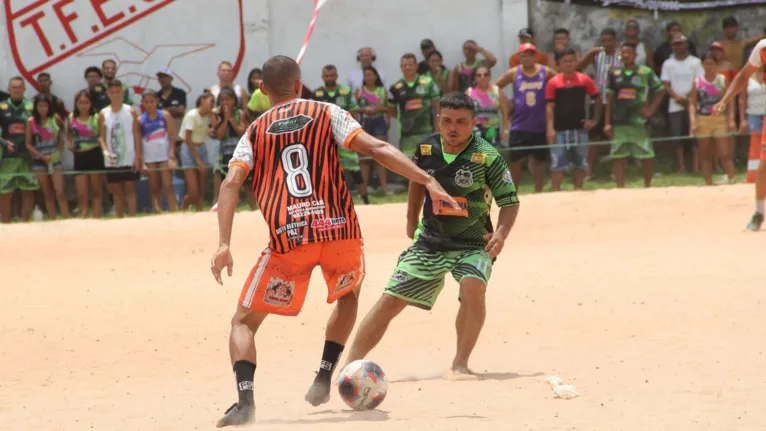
651 302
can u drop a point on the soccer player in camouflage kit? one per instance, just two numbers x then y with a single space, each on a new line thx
627 111
446 240
343 96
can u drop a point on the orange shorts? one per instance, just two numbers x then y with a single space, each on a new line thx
279 281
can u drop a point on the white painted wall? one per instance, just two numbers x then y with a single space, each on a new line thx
392 27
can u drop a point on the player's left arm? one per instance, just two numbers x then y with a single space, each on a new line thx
503 190
415 198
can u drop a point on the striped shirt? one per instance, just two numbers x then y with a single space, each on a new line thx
298 181
604 63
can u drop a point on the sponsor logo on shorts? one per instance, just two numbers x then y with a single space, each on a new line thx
399 276
430 171
464 178
425 150
245 386
507 176
279 292
324 224
345 281
478 157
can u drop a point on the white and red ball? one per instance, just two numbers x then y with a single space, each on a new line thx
362 385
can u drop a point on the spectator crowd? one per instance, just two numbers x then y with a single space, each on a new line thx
618 91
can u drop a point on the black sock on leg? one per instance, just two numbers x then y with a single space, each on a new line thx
330 358
245 372
366 199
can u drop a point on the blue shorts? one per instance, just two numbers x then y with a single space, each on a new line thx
38 166
576 155
755 123
187 159
375 126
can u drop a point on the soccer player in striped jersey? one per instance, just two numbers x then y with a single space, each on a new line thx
754 64
299 186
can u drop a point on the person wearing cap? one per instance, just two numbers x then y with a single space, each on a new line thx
464 71
733 47
644 55
678 75
754 64
528 122
527 36
665 51
427 46
173 100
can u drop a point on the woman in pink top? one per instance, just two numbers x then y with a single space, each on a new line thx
707 90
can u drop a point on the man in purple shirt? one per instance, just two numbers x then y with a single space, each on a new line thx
528 125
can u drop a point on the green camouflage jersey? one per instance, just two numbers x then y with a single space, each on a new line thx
413 102
13 122
342 96
473 178
630 89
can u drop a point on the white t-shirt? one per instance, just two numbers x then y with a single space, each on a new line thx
680 74
756 97
197 124
758 55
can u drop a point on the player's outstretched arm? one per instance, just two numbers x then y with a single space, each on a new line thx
737 86
415 198
393 159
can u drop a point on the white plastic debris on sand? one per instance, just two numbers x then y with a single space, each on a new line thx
560 390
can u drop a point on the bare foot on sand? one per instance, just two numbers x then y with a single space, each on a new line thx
460 373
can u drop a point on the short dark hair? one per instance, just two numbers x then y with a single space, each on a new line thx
330 67
729 21
108 60
561 31
115 83
672 24
565 52
16 78
280 72
226 63
609 32
627 44
150 93
93 69
410 56
456 100
43 75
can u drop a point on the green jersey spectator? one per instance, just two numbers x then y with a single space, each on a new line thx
16 162
628 91
413 99
109 69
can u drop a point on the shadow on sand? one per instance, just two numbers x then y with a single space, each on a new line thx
347 416
479 376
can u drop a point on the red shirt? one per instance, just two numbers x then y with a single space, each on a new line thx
569 94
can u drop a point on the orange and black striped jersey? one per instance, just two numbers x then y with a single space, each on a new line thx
298 181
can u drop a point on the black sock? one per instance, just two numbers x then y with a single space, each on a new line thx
245 372
365 199
330 359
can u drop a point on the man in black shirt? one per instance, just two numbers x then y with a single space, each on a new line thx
96 88
427 46
45 83
665 50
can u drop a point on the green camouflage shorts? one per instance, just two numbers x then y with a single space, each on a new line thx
16 174
419 274
631 141
349 160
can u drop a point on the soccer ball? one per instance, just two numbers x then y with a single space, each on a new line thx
362 385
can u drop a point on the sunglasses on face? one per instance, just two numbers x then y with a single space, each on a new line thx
482 75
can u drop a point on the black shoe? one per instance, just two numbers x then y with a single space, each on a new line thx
237 415
318 394
755 222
